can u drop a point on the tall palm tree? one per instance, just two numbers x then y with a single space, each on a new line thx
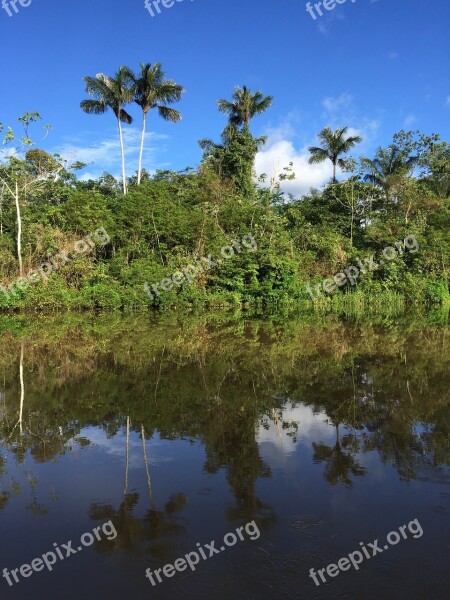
152 90
334 145
244 106
388 168
114 93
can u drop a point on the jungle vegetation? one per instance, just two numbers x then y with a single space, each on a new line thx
159 223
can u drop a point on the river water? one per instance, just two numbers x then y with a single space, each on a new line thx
305 439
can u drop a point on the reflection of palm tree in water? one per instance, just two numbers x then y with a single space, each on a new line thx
144 448
156 533
230 442
127 458
235 448
133 532
339 464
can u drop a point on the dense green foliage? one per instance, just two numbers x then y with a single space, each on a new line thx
171 219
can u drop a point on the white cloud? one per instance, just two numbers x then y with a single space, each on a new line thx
324 21
281 150
410 120
286 130
279 153
334 105
341 110
275 442
104 155
8 151
322 28
116 446
87 175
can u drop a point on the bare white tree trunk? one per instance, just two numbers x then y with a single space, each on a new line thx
1 213
141 151
19 230
122 150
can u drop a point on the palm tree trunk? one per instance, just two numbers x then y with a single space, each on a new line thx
122 150
19 230
334 171
141 151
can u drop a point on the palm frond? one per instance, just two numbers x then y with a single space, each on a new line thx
93 107
225 106
318 155
125 117
263 105
206 144
151 89
169 114
244 106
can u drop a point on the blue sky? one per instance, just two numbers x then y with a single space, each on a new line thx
375 65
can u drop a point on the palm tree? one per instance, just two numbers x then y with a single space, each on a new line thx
114 93
389 168
152 90
334 145
244 106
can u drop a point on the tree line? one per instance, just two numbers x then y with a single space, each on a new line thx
158 223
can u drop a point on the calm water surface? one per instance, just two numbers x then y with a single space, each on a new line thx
324 433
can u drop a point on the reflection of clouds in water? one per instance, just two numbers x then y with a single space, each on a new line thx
281 453
311 428
115 446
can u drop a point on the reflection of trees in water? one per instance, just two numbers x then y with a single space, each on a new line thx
229 437
127 457
410 447
136 534
372 398
340 459
234 447
158 532
218 384
38 433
